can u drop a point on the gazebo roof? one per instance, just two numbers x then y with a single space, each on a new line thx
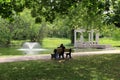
80 30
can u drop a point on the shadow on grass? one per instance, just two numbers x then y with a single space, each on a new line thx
102 67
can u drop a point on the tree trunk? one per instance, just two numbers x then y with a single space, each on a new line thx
72 36
8 43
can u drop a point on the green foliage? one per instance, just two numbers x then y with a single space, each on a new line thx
63 17
116 35
22 27
59 28
36 32
102 67
9 7
112 12
38 20
88 14
46 8
17 29
5 33
90 11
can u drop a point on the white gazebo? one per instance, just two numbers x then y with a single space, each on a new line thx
93 39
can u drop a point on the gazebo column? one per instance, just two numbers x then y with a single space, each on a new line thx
74 38
97 38
81 37
89 37
92 31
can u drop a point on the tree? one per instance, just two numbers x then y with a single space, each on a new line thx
50 8
5 35
17 30
20 28
112 13
11 7
39 8
86 13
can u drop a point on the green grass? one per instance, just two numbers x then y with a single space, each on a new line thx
102 67
55 42
109 41
10 51
50 44
98 67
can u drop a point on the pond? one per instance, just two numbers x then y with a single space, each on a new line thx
15 51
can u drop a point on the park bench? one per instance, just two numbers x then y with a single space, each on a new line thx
59 52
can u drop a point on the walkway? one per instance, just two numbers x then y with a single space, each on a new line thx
4 59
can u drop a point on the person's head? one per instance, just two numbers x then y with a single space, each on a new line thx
61 45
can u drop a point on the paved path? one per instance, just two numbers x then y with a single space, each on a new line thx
4 59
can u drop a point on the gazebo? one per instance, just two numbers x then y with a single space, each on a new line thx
93 39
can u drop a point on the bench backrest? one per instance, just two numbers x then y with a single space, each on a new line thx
60 50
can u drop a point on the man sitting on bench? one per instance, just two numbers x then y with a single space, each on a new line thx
62 52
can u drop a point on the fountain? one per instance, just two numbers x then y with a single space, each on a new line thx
31 48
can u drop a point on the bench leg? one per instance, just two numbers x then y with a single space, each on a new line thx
68 54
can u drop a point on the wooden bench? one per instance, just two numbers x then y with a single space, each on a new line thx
59 52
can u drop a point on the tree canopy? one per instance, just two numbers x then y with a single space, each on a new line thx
49 9
65 14
39 8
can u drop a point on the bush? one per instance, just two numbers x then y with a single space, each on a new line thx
116 35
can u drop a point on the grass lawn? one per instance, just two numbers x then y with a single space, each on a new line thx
55 42
99 67
50 44
112 42
10 51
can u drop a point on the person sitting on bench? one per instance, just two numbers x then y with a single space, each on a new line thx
62 53
55 54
